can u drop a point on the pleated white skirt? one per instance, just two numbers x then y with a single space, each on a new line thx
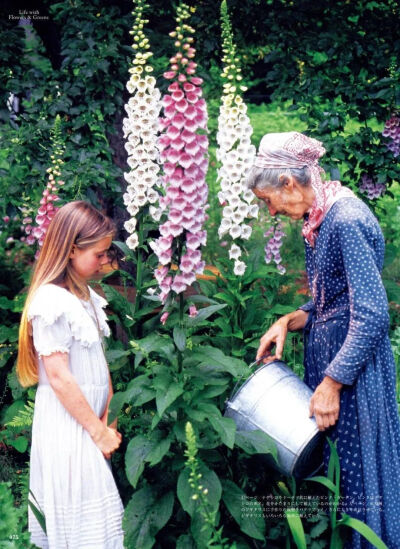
70 478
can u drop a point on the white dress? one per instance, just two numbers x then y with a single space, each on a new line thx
69 476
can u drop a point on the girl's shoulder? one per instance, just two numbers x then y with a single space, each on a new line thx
51 302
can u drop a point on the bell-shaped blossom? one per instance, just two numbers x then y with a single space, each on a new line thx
392 131
371 188
183 146
36 231
235 151
274 243
140 128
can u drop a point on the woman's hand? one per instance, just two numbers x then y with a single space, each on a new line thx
107 440
325 403
277 333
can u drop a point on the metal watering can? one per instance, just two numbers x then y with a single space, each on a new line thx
275 400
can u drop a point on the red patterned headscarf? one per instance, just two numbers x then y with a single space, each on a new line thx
295 150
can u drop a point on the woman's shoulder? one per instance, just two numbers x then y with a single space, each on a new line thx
352 211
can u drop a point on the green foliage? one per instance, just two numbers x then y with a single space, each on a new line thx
12 532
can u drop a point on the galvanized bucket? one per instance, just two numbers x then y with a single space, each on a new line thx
275 400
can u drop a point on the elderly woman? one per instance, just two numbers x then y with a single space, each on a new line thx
348 358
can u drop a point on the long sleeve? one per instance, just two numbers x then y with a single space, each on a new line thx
308 306
369 318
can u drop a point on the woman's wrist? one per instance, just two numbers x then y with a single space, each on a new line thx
296 320
333 383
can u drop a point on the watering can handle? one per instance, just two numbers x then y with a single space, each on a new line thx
241 377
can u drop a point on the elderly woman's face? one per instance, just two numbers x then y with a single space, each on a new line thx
292 199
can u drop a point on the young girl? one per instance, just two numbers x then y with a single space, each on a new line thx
60 347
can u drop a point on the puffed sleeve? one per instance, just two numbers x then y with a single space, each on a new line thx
51 338
50 317
360 237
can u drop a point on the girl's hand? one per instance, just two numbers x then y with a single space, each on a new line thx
325 403
107 440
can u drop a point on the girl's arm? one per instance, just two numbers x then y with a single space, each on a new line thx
104 417
74 401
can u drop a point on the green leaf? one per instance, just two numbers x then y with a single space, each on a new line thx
8 333
20 444
145 396
319 528
185 541
364 530
115 354
256 442
138 449
145 515
117 401
296 527
202 299
325 482
165 398
179 338
207 355
208 480
204 313
36 510
252 524
12 411
226 428
230 300
158 451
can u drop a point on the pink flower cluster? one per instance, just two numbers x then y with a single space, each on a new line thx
44 215
273 246
183 152
392 130
371 188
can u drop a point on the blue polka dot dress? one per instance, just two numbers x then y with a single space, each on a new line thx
346 338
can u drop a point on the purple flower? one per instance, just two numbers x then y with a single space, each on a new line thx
371 188
392 131
273 246
193 311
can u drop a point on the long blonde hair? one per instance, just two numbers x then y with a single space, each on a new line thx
75 224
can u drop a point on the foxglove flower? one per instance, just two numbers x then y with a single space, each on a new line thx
36 231
235 151
392 131
274 243
371 188
140 129
183 147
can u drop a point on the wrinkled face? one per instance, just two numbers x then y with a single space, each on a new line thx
88 262
291 199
